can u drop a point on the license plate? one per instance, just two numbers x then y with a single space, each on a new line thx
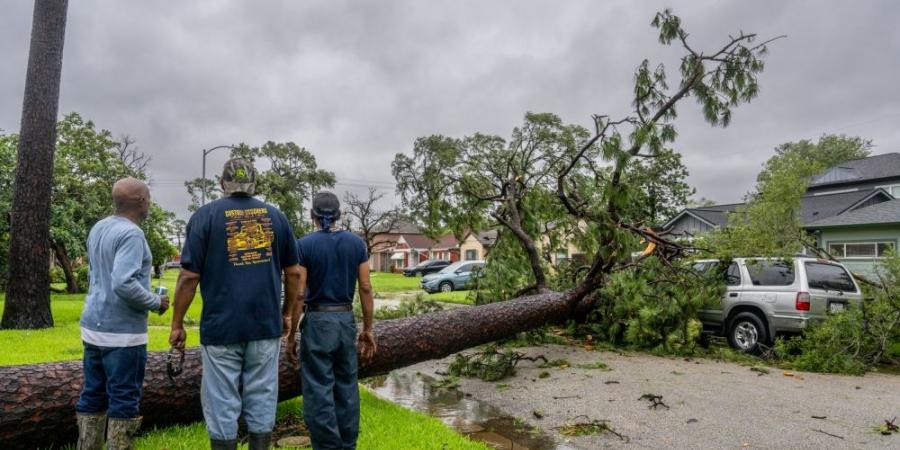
835 307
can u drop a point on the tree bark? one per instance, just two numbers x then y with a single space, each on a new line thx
63 257
37 402
28 289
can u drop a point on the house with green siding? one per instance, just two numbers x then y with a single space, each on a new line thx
859 238
850 209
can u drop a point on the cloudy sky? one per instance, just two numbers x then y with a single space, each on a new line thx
357 82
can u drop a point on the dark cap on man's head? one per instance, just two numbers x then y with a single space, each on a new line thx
239 177
326 204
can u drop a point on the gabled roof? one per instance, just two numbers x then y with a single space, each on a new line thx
487 238
812 207
881 213
886 165
445 242
817 207
713 216
421 242
418 241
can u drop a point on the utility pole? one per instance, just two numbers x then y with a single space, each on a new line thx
206 152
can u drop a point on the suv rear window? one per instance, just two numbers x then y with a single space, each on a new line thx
829 276
770 273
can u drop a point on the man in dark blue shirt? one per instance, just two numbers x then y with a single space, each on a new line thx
237 248
332 263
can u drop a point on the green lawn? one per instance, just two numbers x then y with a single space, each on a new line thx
461 297
63 342
383 425
383 282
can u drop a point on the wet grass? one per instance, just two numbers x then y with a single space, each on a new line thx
394 282
460 297
383 425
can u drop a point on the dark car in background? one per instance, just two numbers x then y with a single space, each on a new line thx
426 267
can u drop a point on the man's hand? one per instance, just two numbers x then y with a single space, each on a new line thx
163 304
177 337
367 346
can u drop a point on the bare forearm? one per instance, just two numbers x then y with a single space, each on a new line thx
294 290
185 289
367 299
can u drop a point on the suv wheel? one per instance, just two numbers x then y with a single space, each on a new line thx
446 286
746 332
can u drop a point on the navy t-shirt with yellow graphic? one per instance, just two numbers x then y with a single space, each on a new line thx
239 246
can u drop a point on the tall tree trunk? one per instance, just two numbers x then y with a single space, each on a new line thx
63 257
28 289
37 402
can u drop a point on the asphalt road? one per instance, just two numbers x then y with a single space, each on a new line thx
712 405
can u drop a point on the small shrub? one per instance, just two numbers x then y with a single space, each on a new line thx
57 275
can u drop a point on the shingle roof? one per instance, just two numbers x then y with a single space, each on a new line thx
418 241
881 213
874 167
421 242
817 207
812 207
716 214
446 242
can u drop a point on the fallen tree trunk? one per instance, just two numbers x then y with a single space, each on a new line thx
37 402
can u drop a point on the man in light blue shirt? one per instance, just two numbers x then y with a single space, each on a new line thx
114 321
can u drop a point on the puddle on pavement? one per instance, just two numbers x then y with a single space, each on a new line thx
468 416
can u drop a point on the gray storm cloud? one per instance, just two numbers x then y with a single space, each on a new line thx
357 82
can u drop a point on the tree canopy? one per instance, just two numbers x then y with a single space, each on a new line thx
603 185
88 161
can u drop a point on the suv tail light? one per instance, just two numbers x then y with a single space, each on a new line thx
802 301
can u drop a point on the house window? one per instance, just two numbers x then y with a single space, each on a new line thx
860 250
561 256
471 255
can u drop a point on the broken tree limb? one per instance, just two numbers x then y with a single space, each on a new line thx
37 402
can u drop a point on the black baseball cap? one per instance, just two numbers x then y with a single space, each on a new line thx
326 204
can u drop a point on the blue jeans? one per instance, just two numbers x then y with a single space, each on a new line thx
239 380
330 389
113 379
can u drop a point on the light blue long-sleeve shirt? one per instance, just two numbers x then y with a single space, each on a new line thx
119 296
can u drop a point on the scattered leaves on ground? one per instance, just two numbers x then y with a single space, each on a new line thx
597 365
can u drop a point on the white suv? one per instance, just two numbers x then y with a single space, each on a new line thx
768 297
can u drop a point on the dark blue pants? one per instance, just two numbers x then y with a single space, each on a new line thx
330 390
113 378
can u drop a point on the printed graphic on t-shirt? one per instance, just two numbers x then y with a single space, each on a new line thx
248 233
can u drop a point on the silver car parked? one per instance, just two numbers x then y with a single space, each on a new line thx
768 297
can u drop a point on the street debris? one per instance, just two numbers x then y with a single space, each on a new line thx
827 433
591 427
889 427
656 401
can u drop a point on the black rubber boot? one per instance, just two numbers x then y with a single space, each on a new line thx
230 444
260 441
